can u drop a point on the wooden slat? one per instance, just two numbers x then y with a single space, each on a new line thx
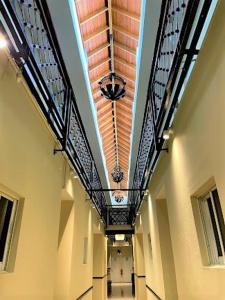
95 79
102 106
124 107
126 13
125 63
95 91
94 15
125 76
103 117
98 50
126 32
125 48
99 64
95 33
100 102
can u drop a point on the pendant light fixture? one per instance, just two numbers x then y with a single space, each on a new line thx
112 87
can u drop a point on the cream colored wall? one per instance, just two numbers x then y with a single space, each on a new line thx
99 267
152 254
196 154
56 216
139 261
30 171
82 223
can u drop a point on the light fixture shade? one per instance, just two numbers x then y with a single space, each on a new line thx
117 174
119 198
112 87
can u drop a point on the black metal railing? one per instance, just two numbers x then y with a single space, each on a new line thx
119 214
175 49
33 45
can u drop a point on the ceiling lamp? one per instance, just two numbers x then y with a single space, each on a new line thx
112 87
119 198
117 174
3 42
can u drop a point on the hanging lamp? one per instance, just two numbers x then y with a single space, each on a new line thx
112 87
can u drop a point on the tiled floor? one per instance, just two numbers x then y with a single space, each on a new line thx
121 291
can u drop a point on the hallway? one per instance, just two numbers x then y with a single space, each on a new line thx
112 149
121 291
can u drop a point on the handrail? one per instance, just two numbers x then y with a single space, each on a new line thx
167 76
34 47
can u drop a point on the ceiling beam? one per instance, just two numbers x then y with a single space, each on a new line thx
100 102
104 117
125 48
102 106
95 91
95 79
95 33
124 107
122 114
99 64
95 14
129 34
125 63
127 13
124 129
128 77
98 50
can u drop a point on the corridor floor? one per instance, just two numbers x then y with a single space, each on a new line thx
121 291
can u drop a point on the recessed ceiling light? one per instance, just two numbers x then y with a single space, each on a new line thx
119 237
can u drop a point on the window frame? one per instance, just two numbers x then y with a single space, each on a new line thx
211 227
10 231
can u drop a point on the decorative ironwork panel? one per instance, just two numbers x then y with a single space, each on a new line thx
169 46
119 216
31 23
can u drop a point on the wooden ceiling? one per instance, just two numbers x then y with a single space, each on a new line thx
121 19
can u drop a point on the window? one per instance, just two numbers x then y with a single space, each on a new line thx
7 219
213 226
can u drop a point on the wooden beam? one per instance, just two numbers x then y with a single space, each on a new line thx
94 15
95 79
126 13
108 114
128 77
97 50
103 108
125 63
124 107
100 102
99 64
96 91
126 32
124 122
109 108
123 117
125 48
95 33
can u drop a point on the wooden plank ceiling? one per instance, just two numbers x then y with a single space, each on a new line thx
98 20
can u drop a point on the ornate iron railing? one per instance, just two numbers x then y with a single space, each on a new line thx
174 51
119 214
33 45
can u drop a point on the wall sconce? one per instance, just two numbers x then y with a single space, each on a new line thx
3 42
